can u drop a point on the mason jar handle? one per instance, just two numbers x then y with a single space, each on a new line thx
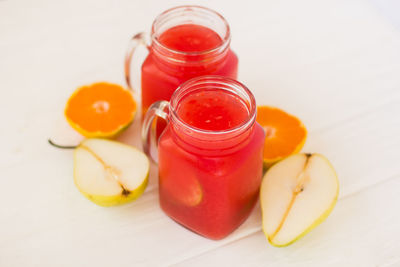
158 109
140 38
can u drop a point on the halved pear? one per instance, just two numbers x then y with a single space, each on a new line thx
110 173
296 195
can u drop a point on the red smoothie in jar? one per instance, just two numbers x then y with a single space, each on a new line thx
210 156
186 42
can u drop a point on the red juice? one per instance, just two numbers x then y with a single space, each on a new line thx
181 53
210 163
208 110
190 38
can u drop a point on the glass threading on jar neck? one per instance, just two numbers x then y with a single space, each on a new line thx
224 141
190 15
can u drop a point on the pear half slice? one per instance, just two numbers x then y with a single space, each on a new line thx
110 173
296 195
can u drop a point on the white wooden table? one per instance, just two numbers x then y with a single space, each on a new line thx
333 63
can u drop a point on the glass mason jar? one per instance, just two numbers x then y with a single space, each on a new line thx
185 42
210 155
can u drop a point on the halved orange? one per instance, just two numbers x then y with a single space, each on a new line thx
100 110
284 133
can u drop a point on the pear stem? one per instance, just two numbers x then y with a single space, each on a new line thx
60 146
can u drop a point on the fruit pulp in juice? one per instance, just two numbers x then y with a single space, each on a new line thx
161 77
211 194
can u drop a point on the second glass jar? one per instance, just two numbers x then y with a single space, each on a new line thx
186 42
210 154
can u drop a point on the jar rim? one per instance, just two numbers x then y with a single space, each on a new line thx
225 40
236 87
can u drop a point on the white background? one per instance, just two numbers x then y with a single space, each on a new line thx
334 64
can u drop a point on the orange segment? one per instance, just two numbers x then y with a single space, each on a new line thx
100 110
285 134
